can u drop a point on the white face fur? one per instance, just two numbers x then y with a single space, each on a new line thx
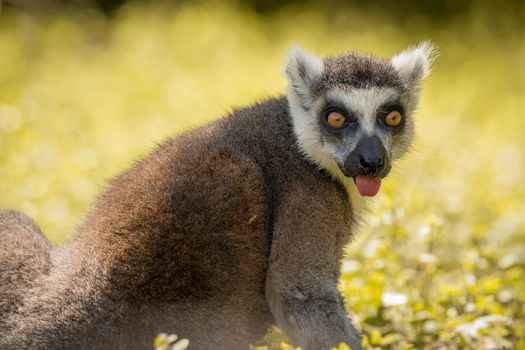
317 87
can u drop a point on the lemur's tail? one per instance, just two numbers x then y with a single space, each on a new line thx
24 255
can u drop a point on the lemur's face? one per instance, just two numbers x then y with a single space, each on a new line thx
352 114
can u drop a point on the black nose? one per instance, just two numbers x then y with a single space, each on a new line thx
371 163
369 157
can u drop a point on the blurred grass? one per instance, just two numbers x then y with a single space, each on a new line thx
83 95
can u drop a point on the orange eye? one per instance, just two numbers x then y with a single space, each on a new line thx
393 118
336 120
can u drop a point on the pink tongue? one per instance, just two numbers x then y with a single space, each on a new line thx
367 185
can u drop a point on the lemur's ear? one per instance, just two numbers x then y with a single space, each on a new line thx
303 71
413 64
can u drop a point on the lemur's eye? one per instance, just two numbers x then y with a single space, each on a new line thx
393 118
336 120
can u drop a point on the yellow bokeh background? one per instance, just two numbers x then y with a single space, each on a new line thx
83 95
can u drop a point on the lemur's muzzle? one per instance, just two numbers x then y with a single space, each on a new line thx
368 163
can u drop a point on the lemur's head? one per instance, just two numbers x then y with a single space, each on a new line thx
352 114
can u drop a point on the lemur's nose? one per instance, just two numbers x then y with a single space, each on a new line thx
368 158
371 163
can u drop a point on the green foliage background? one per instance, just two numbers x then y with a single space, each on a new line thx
440 262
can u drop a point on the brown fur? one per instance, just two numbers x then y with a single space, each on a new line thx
182 243
24 255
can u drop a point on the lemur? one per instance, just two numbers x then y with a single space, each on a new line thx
224 230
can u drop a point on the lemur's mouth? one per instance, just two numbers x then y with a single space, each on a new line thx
367 186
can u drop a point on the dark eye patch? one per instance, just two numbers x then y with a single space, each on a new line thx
332 106
385 109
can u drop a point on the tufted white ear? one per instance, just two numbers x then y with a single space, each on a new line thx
303 71
413 64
